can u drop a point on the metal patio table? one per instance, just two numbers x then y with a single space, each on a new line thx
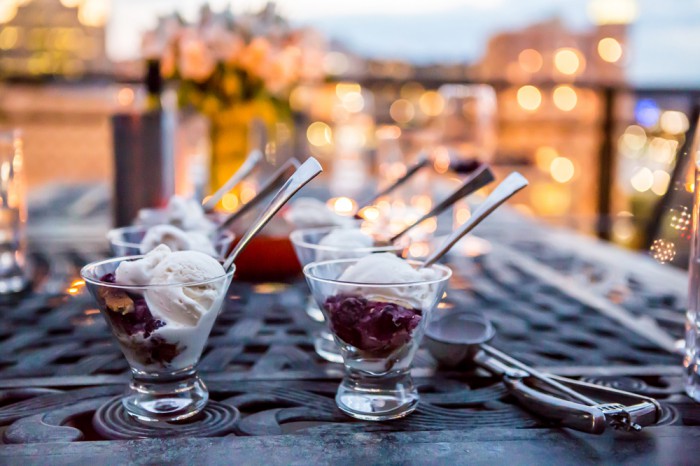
561 302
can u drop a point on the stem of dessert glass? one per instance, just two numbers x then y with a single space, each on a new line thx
422 162
305 173
479 178
269 186
505 190
253 158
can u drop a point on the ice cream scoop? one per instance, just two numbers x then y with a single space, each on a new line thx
175 305
343 243
387 268
186 214
177 240
307 212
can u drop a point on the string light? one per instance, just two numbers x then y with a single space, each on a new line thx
680 218
529 97
663 251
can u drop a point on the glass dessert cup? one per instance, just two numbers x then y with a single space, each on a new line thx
126 241
378 328
163 356
306 245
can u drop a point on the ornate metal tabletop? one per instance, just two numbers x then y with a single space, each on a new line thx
559 303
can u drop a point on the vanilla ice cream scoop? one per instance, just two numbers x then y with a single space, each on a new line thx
177 240
343 243
184 305
139 272
390 269
307 212
186 214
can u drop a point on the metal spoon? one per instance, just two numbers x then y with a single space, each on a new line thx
505 190
305 173
422 162
479 178
269 186
253 158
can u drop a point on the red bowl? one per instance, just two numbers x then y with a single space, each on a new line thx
268 258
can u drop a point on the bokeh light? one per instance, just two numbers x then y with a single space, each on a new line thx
342 205
562 169
402 111
565 98
530 60
568 61
643 180
319 134
612 11
663 251
610 49
647 112
544 156
529 98
674 122
431 103
661 182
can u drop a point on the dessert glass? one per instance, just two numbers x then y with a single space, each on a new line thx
126 241
377 336
163 357
308 250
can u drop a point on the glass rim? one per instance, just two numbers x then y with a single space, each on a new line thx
94 281
295 238
224 236
307 268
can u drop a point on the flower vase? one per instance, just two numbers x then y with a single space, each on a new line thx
233 137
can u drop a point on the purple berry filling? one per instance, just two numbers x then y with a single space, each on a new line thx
130 315
371 325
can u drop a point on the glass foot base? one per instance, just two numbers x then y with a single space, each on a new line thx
377 398
153 399
326 347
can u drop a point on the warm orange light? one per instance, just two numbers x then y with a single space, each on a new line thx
229 202
370 213
565 98
442 160
568 61
319 134
388 132
125 96
562 169
247 192
544 156
431 103
609 49
529 98
342 205
530 60
402 111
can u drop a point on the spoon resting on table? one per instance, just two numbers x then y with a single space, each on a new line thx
305 173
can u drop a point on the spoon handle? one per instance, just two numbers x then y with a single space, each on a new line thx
305 173
248 165
267 188
422 162
506 189
479 178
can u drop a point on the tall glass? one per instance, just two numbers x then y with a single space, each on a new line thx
691 361
12 213
469 120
